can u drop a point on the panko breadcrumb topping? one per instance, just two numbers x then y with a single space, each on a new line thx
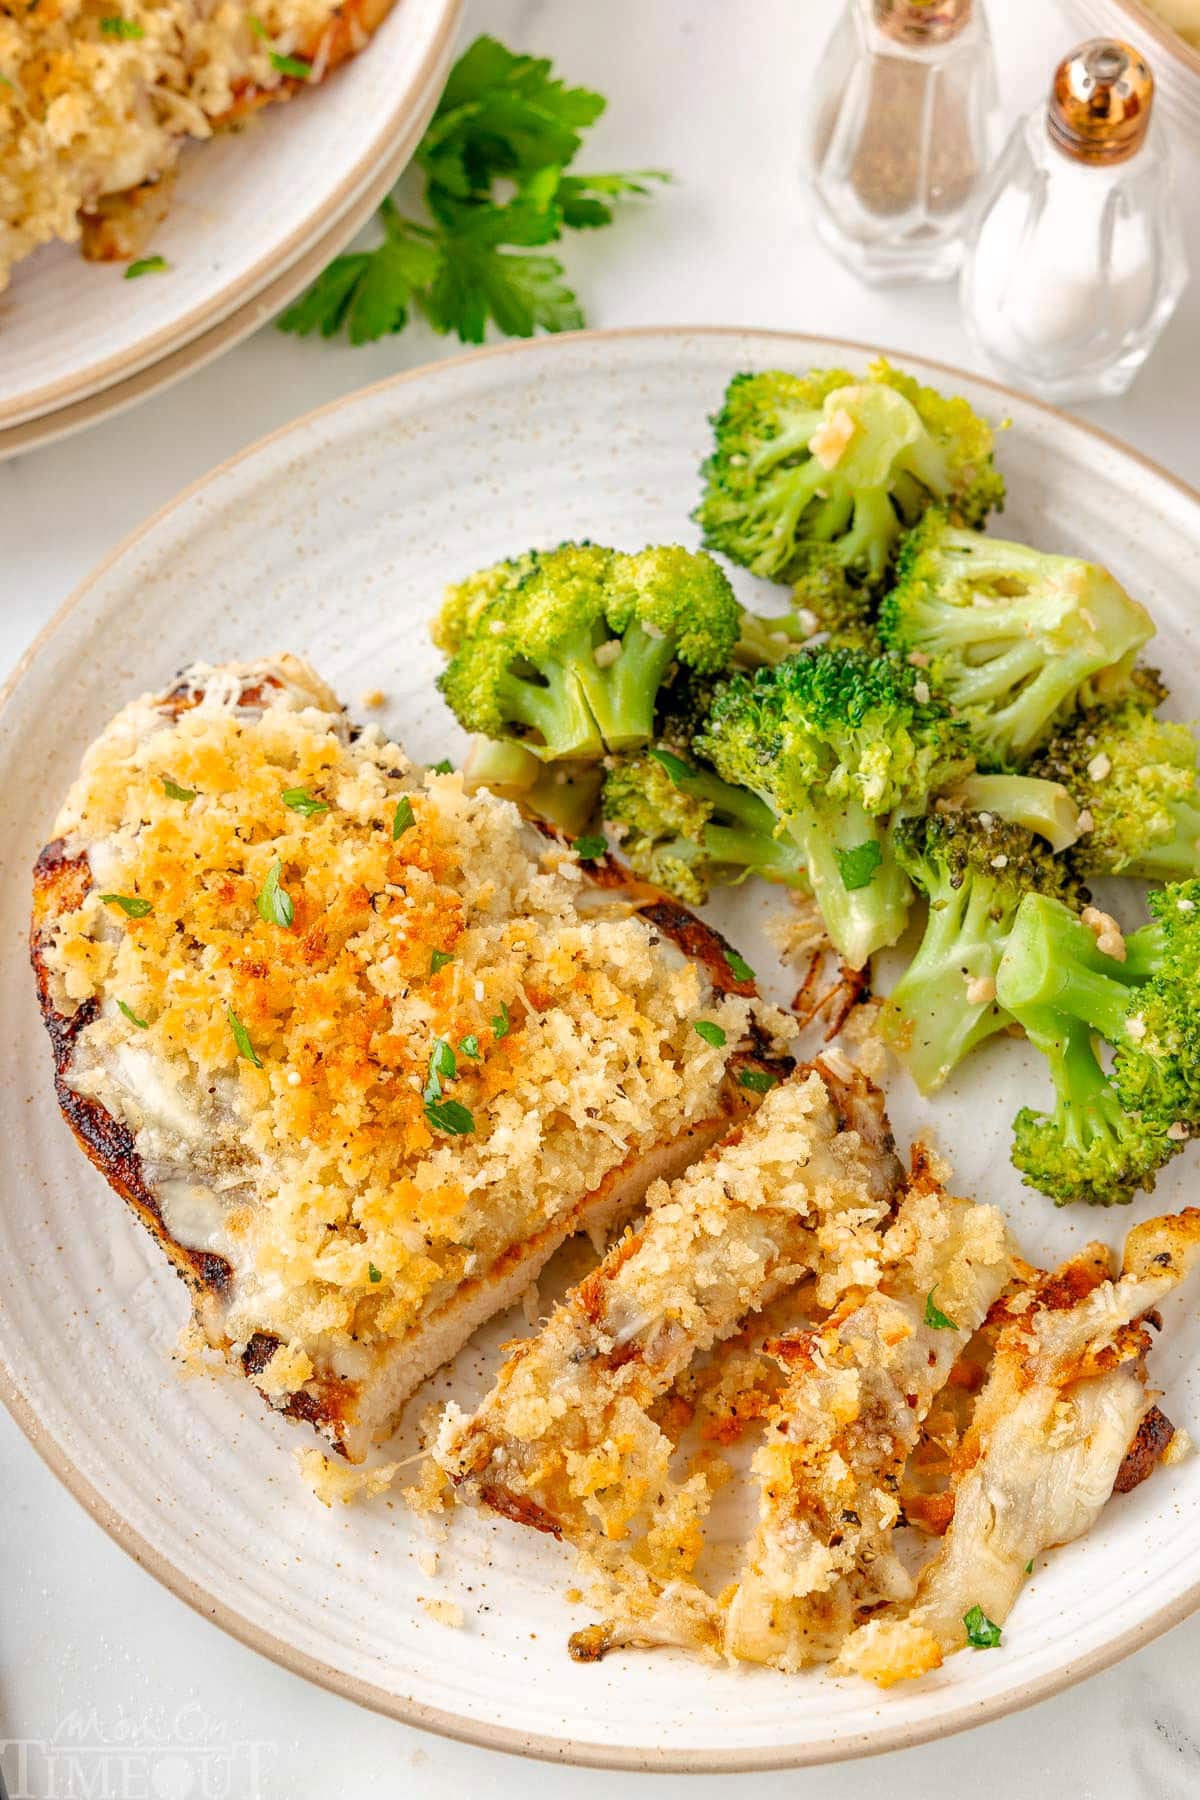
366 1041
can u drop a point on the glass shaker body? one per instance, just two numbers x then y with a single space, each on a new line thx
904 132
1074 268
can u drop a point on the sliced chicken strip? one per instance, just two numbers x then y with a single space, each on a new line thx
564 1441
836 1443
1065 1396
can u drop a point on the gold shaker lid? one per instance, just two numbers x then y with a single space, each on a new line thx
1100 102
922 21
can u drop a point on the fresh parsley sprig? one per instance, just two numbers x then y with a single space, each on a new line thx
494 160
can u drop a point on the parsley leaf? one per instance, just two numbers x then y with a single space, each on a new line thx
442 1059
494 160
402 818
147 265
241 1038
117 27
857 867
981 1633
304 803
1029 1567
142 1024
130 904
439 959
675 766
450 1116
373 1274
590 849
710 1032
739 968
469 1046
445 767
759 1081
296 66
173 791
935 1318
501 1024
274 904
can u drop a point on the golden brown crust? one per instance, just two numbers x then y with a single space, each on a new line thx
1145 1453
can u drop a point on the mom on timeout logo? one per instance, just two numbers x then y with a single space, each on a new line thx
179 1756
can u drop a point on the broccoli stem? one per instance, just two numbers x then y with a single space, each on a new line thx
550 702
623 694
793 441
869 542
1044 807
937 1022
860 920
776 859
1051 961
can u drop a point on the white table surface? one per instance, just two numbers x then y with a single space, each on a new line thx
716 93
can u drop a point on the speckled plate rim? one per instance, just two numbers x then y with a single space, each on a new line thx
339 215
412 1712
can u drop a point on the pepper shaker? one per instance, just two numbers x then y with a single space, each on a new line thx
1077 260
905 127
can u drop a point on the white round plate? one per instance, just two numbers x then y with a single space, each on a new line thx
246 207
334 539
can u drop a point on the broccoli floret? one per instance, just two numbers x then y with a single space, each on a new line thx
1089 1148
1041 806
834 741
562 794
840 464
1106 1137
1135 776
975 870
1010 633
1157 1067
567 650
685 828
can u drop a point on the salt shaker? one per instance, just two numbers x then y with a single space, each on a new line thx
1077 259
905 126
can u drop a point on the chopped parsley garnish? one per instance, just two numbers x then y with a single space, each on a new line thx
759 1081
373 1274
470 1047
442 1067
173 791
675 766
284 65
1029 1567
402 818
935 1318
439 959
241 1038
981 1633
445 767
739 968
304 803
589 849
857 867
128 903
147 265
501 1024
141 1024
116 26
498 191
712 1034
4 80
450 1116
274 904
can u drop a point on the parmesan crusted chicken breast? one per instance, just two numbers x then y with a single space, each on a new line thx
339 1034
